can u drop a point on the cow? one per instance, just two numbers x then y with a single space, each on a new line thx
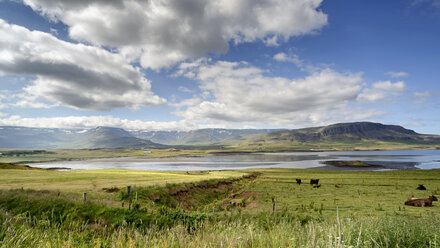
337 186
421 202
298 181
317 186
421 187
314 181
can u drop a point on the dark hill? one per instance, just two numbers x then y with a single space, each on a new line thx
350 132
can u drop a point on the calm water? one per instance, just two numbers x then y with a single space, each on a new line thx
422 159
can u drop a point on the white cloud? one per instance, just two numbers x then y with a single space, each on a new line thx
108 121
371 95
241 93
187 102
94 121
2 99
186 90
296 61
381 90
162 32
272 41
397 74
281 57
421 97
74 75
387 85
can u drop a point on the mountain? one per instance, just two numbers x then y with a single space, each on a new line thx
109 137
24 137
347 133
199 136
100 137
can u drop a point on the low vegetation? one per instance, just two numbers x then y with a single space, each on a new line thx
15 166
351 164
252 208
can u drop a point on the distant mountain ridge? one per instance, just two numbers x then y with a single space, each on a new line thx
99 137
350 132
110 137
197 137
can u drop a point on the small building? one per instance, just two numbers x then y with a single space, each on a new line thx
147 152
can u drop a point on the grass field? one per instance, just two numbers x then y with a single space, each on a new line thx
43 208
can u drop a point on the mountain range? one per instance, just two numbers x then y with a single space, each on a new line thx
347 133
99 137
110 137
198 137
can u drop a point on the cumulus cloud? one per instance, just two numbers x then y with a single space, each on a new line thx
185 90
421 97
241 93
160 33
301 64
381 90
94 121
74 75
397 74
387 85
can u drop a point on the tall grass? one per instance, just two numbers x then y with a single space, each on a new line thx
229 231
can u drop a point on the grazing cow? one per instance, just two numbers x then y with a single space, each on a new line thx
298 181
421 202
337 186
421 187
314 181
317 186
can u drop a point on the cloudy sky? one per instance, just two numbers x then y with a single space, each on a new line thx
188 64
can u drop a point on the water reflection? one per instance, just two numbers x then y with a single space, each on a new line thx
423 159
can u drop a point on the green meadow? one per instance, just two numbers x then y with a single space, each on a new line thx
247 208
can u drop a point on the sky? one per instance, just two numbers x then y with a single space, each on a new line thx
190 64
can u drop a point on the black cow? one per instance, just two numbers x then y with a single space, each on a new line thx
316 186
421 187
298 181
314 181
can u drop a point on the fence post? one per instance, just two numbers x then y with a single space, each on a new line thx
274 204
84 197
129 197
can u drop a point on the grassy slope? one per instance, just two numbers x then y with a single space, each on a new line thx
276 145
74 183
369 204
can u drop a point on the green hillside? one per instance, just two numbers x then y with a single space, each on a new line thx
342 135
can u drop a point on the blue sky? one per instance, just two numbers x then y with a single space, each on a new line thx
188 64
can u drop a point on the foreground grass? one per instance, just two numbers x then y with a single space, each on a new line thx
217 209
237 230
